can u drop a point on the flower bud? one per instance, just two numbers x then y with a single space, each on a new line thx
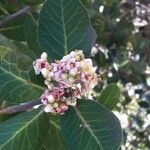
77 57
73 71
45 72
48 108
44 56
63 106
55 105
46 82
71 103
50 98
58 110
64 76
73 53
50 85
71 79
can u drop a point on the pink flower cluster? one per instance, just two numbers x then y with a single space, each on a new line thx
67 80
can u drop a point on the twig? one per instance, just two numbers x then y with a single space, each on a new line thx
11 17
20 108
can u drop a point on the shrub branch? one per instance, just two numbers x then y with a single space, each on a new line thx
20 108
13 16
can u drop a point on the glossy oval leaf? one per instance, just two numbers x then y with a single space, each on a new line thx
14 30
90 126
54 139
31 130
63 27
110 96
32 2
24 131
30 27
16 82
4 51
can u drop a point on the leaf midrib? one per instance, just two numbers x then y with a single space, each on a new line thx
55 124
25 126
11 28
21 79
64 29
87 127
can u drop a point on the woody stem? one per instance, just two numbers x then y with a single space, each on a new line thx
22 107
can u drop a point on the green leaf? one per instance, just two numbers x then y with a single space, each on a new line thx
31 130
3 51
4 117
30 27
90 38
100 59
24 131
112 9
9 6
16 83
32 2
90 126
15 29
63 27
110 96
54 139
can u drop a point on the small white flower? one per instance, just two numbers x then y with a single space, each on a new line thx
37 71
67 57
73 71
71 103
79 85
71 79
64 76
51 74
48 108
55 69
72 54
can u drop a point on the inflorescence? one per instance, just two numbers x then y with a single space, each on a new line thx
67 80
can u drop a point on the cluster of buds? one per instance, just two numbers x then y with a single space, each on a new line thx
67 80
